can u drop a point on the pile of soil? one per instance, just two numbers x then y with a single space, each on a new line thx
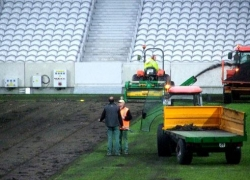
191 127
38 138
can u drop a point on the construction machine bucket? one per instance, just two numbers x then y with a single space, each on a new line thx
137 91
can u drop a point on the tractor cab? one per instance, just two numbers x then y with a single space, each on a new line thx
241 55
237 81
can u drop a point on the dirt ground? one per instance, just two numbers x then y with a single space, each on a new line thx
40 137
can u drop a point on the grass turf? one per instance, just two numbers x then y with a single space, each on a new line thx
143 162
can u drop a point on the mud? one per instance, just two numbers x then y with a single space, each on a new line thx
39 138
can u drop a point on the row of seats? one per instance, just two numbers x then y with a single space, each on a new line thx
60 47
186 50
180 39
191 3
37 58
186 58
7 18
71 31
35 53
46 3
197 16
29 11
195 10
199 26
184 44
194 24
44 27
194 31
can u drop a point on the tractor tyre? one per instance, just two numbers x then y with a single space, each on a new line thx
183 154
135 78
163 142
235 95
227 97
233 155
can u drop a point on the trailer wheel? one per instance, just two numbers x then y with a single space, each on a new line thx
183 154
163 142
233 156
227 97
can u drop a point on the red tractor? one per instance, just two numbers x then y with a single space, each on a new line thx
237 81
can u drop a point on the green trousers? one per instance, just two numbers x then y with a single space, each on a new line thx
113 135
124 141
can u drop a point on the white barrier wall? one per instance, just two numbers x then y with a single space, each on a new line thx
32 69
104 77
98 78
25 71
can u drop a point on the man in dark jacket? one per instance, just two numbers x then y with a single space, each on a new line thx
113 121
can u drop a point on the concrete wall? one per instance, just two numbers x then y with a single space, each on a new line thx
103 77
25 71
98 77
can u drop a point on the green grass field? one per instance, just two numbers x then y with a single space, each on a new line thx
143 162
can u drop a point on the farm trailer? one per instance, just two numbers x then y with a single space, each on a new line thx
217 129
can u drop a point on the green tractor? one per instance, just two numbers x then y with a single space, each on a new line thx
148 83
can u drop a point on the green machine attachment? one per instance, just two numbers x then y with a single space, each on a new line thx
140 90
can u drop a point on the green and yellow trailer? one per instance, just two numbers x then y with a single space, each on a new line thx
201 129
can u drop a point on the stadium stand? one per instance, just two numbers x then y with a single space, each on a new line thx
193 30
43 30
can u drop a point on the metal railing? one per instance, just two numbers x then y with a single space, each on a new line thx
1 5
85 35
135 32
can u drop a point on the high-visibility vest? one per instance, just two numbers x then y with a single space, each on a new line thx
123 112
151 63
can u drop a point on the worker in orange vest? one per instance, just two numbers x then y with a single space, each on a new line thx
126 117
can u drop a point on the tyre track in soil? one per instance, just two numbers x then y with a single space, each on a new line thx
23 130
48 148
8 109
30 121
31 147
23 125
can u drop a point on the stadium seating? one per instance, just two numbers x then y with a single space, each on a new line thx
193 30
42 30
